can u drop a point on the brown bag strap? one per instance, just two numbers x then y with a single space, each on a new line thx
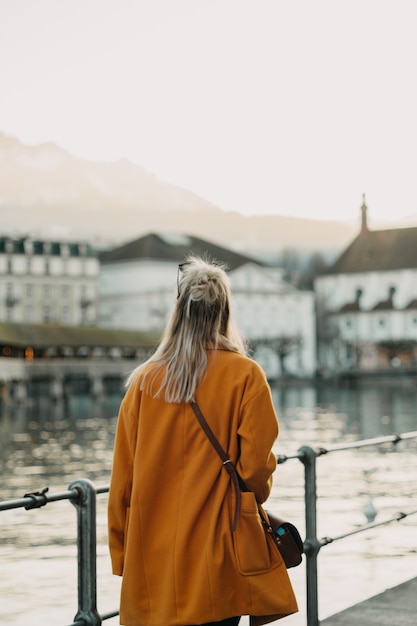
227 463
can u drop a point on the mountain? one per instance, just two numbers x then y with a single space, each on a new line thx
47 192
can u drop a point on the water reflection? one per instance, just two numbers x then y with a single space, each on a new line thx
47 444
348 412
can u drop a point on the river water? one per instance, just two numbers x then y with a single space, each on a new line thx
47 444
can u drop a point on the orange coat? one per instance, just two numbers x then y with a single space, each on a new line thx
171 503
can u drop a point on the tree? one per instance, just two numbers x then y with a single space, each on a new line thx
282 346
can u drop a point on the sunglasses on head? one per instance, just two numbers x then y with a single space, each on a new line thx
180 269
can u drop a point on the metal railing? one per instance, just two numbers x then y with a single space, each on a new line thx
82 494
312 544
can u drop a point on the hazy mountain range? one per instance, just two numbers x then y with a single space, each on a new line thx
47 192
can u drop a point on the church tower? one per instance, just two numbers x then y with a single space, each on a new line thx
364 211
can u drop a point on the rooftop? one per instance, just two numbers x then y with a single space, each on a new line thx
27 245
377 251
174 247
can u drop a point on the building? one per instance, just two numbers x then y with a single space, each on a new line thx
49 341
367 302
277 318
48 282
138 283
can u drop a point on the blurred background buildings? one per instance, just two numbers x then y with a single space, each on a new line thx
357 315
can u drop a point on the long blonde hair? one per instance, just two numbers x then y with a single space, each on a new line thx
201 320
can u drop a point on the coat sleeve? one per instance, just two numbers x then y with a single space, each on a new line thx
121 479
258 430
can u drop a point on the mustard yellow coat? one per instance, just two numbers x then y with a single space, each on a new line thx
171 503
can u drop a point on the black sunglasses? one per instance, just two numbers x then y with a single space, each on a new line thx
180 269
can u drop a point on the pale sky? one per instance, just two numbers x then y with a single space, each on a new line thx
290 107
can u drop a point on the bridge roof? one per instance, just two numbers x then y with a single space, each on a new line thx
50 335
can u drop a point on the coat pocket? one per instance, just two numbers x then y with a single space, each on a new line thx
252 548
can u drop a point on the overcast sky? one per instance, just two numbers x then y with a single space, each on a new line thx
291 107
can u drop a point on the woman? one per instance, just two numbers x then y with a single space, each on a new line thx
171 503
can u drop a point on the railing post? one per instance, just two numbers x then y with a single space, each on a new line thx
87 553
311 544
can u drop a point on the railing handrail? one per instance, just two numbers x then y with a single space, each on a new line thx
320 450
312 544
82 494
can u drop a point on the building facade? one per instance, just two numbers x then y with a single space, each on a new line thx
277 319
138 288
48 282
367 303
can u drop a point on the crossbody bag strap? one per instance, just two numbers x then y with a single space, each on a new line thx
227 462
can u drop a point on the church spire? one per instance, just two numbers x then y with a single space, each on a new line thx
364 210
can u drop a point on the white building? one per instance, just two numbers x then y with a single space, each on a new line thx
47 282
138 288
367 302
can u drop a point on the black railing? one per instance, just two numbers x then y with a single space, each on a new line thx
312 544
82 494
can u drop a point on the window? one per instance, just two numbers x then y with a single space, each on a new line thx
47 316
29 290
29 315
28 245
11 300
65 315
47 291
85 300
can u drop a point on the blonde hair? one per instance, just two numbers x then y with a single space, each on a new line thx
200 320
